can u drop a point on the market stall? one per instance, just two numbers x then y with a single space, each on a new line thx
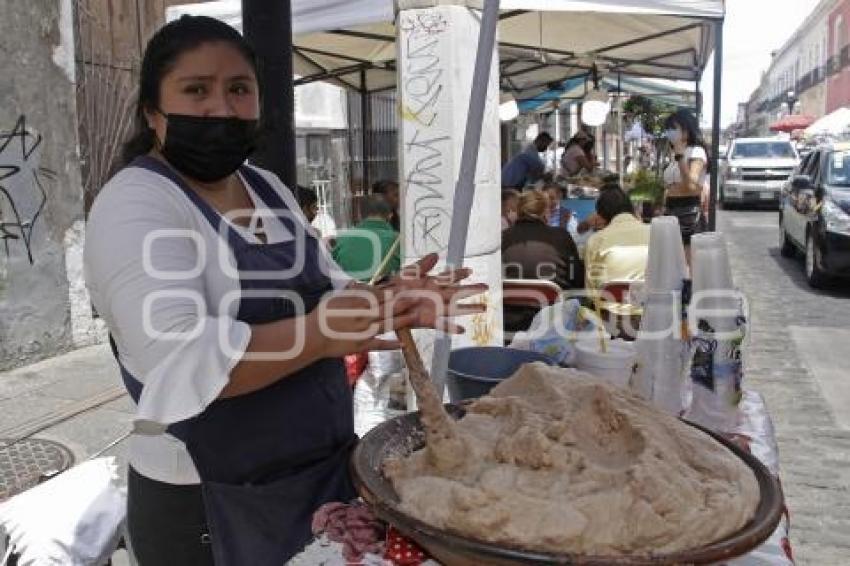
535 53
542 43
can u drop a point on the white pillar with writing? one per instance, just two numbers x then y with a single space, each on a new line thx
436 58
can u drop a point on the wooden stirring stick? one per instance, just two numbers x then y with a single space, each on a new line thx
445 447
434 417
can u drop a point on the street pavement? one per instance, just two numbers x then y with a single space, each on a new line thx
797 358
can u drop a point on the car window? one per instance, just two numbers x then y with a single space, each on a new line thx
757 150
803 167
813 167
838 169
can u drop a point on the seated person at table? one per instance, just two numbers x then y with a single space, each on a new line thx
510 208
533 250
558 215
361 250
578 156
619 251
527 167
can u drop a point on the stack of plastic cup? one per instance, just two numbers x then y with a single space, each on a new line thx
717 366
660 378
713 292
666 267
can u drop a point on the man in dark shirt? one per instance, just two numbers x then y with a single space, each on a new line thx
526 167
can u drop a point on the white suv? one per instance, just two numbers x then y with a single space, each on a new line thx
755 170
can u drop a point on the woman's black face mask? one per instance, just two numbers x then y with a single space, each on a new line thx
208 148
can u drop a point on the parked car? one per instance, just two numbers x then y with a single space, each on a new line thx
814 216
755 170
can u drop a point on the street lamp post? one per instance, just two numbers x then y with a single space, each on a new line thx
791 100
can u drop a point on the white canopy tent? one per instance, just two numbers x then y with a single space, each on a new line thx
541 42
833 124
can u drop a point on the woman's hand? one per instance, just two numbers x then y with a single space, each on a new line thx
348 321
436 297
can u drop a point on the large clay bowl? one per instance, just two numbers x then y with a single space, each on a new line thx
402 435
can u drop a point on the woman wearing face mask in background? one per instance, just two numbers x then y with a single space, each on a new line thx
685 177
228 319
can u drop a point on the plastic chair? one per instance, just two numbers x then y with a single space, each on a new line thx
530 292
616 306
522 300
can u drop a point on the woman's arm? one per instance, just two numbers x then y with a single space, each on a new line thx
281 348
350 320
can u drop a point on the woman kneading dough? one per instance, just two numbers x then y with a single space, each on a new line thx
229 320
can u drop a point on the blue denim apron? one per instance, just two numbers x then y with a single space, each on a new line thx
267 460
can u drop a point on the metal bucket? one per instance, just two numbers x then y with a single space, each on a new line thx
473 372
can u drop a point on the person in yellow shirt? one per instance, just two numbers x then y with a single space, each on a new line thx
618 252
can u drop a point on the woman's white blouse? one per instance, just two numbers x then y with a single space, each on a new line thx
672 175
164 282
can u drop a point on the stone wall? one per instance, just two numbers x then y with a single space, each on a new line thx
41 199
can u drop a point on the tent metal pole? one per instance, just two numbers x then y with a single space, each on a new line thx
557 135
621 169
715 129
696 101
350 140
465 188
267 27
365 122
652 37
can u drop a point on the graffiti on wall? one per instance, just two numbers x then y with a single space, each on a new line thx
23 196
426 136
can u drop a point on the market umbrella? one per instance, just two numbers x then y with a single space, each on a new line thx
792 122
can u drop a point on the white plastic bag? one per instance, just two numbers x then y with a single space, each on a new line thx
555 330
73 519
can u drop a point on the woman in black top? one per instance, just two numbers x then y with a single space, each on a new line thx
531 249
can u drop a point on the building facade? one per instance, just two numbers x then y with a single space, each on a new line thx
838 63
797 79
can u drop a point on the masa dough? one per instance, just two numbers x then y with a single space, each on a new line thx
558 461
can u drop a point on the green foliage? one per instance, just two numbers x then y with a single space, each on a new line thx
647 187
649 113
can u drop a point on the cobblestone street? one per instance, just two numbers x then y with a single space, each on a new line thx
797 360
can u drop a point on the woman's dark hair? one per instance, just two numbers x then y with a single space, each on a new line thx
689 124
306 196
583 140
167 45
613 201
